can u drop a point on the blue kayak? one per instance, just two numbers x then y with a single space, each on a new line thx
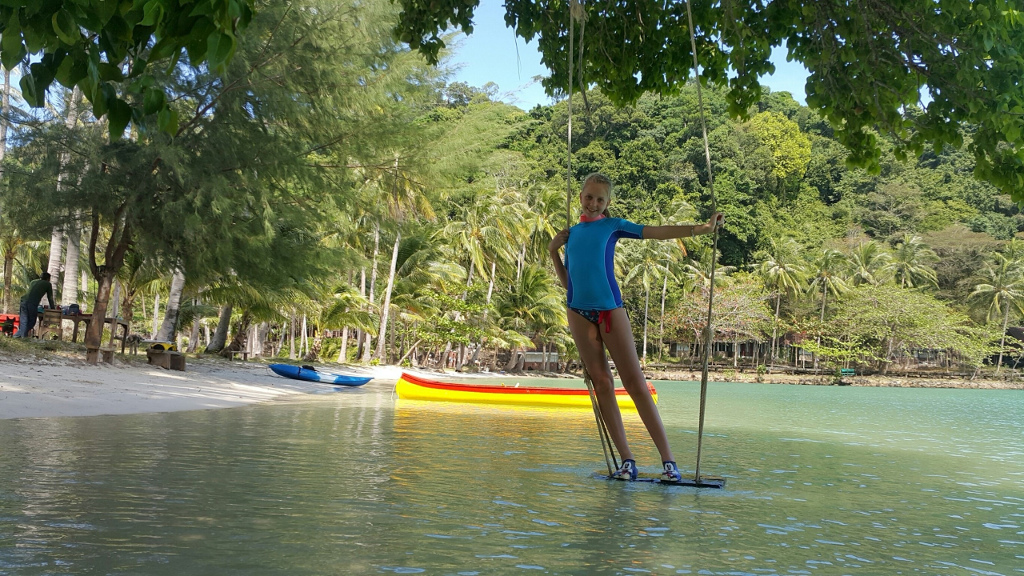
310 374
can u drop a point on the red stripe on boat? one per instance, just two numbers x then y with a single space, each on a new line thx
506 389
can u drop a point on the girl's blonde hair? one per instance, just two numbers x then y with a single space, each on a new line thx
599 178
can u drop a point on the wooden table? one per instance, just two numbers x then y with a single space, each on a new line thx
86 318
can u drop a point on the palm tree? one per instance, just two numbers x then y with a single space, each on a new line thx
1001 289
827 275
531 304
648 261
15 248
910 263
785 275
869 264
343 308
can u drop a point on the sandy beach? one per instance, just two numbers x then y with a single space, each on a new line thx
56 385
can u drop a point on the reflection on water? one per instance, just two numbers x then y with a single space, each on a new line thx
821 480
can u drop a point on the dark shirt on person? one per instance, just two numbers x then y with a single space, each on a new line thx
36 290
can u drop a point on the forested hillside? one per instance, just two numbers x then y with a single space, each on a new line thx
331 196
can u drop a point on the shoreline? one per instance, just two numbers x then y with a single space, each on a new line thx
874 381
47 383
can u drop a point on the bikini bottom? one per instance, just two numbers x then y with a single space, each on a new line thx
596 317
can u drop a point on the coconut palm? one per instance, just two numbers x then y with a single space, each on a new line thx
869 264
1000 291
785 274
648 262
342 307
531 304
910 263
827 276
16 250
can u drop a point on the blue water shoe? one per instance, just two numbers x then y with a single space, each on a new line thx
626 472
671 473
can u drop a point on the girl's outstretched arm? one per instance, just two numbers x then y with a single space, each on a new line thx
682 231
557 242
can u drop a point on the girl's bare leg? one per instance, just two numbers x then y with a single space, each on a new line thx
591 348
623 350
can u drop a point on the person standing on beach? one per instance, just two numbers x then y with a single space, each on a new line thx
30 304
597 319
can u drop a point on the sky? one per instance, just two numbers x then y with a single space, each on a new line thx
493 53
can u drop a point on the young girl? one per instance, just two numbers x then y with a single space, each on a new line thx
597 319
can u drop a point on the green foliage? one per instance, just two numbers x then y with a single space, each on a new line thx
113 51
283 171
862 73
880 323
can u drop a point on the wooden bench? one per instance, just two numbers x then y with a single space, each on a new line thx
847 372
167 359
243 353
108 354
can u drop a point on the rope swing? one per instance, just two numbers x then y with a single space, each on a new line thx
708 330
578 14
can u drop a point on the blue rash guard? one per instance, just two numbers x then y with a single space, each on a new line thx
590 262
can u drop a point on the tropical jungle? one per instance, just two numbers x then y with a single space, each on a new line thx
324 193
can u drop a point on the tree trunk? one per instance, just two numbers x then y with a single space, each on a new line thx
775 329
483 339
661 321
156 316
647 303
291 333
359 331
373 284
343 352
5 113
193 336
379 354
513 358
114 312
53 266
57 236
69 293
173 308
117 246
258 348
821 322
220 335
304 338
94 331
8 279
280 343
1002 340
411 352
241 331
521 262
314 350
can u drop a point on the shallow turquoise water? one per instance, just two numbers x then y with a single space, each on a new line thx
821 480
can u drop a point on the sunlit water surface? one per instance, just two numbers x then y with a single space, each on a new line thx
821 480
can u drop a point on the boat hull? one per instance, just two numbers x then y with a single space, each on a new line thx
307 375
411 387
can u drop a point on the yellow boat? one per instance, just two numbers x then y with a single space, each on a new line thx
416 388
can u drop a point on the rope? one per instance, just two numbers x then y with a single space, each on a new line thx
576 12
708 330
